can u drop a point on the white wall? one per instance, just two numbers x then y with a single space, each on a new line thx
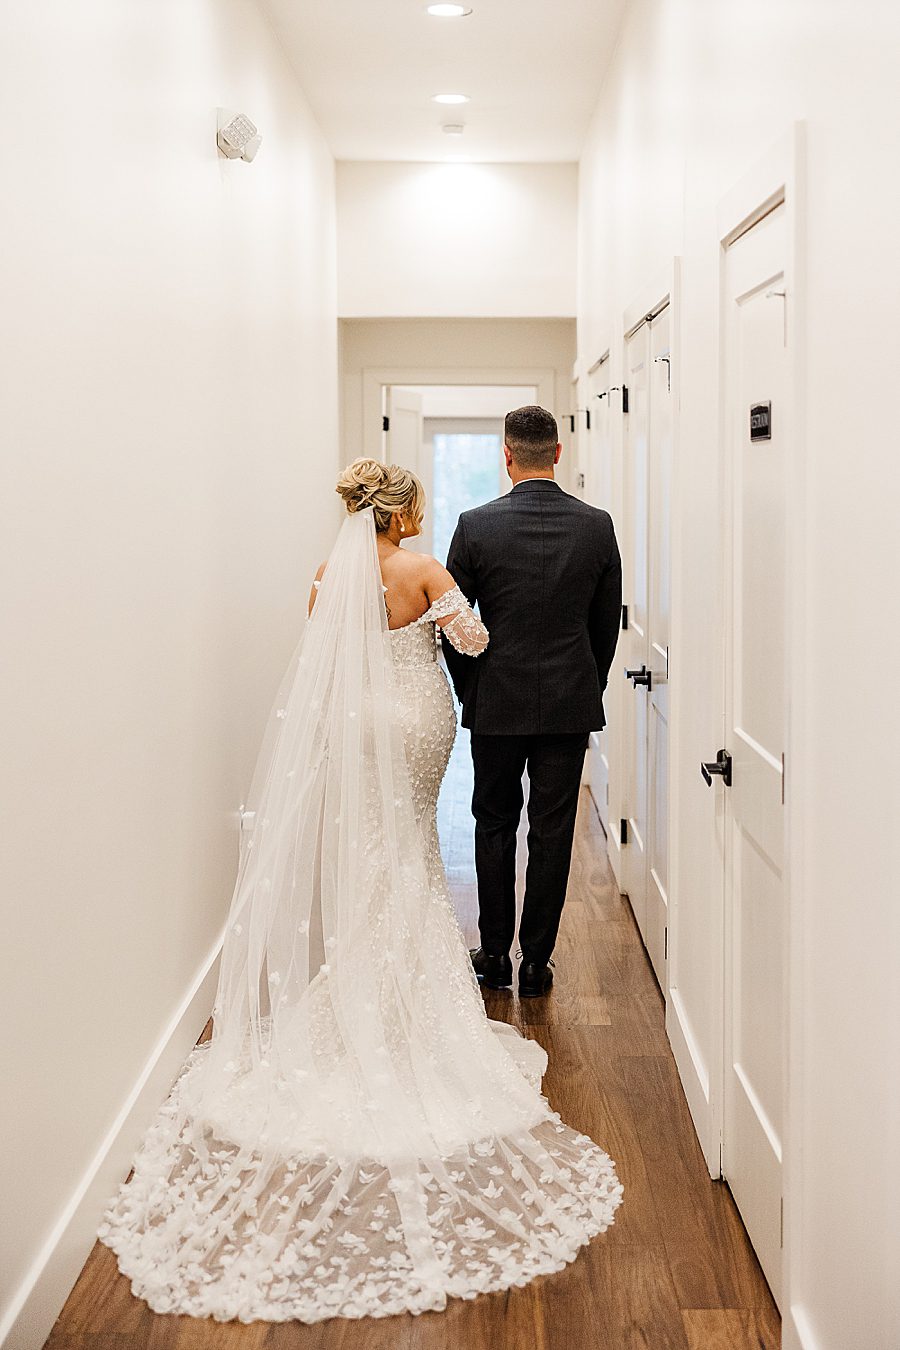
696 92
471 400
169 411
468 240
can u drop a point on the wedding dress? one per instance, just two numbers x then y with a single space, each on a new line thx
357 1138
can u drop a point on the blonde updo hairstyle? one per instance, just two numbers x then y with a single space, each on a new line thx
385 487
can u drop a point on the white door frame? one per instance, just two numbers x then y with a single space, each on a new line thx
572 435
374 379
777 177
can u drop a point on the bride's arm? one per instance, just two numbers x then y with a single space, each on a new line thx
314 590
452 612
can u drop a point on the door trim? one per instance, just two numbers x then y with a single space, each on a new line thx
374 378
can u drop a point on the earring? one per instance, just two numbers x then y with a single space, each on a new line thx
402 527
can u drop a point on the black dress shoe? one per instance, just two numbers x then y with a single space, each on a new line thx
493 971
535 978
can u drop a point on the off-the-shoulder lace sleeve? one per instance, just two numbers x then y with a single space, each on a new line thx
464 629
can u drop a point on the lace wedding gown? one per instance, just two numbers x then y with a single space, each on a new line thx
358 1138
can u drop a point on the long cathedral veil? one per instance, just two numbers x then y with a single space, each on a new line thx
356 1138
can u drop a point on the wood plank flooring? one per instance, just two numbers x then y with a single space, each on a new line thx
675 1272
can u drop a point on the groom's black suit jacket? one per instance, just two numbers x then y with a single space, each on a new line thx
544 568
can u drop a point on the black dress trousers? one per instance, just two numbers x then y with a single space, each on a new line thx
554 764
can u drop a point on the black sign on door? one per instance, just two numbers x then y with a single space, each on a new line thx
760 421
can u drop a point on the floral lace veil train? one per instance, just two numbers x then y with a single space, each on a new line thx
357 1138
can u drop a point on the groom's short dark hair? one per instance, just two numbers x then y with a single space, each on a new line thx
532 436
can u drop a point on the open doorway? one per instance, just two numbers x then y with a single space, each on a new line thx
451 436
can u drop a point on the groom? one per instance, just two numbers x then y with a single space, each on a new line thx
544 569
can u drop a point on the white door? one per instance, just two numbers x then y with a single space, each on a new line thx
756 410
633 655
658 620
404 439
597 469
644 646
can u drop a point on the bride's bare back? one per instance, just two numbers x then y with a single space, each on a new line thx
413 582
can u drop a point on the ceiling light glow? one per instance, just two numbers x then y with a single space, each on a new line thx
451 98
449 11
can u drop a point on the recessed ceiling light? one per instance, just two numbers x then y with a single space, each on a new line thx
449 11
450 98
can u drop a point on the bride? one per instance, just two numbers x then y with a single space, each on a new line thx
357 1138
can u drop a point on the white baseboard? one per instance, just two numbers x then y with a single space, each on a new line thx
795 1332
694 1078
614 851
28 1320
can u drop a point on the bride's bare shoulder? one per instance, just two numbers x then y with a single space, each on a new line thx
434 577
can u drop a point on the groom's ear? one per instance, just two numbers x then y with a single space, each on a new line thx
558 453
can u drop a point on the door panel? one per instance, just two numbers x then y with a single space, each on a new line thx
755 369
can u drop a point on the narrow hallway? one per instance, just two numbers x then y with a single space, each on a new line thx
675 1271
249 243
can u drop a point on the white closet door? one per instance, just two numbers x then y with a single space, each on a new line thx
597 468
634 645
658 620
756 396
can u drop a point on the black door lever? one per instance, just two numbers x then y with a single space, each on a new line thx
642 676
720 765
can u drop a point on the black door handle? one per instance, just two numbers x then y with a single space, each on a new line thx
642 676
720 765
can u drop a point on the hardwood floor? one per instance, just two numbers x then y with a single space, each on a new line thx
675 1271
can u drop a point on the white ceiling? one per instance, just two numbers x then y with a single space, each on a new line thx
532 68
